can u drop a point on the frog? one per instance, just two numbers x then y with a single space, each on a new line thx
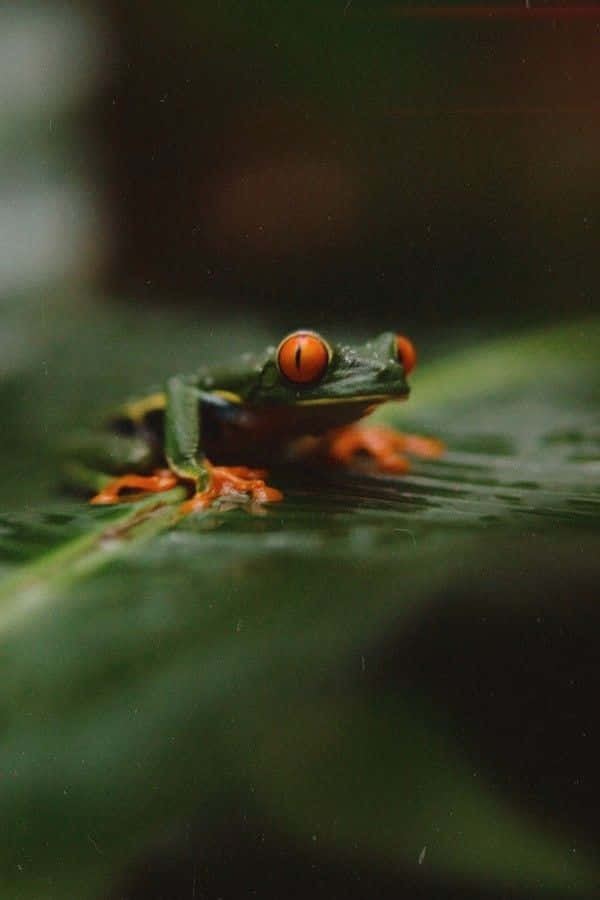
216 430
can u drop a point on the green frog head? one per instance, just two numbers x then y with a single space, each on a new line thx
306 370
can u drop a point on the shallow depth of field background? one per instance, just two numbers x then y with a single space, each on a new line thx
322 162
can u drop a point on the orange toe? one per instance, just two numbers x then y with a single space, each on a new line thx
231 481
424 447
382 444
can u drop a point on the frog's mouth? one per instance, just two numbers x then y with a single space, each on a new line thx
371 400
319 415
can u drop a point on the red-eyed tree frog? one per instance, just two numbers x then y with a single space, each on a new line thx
301 398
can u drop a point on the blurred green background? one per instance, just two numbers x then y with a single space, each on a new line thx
382 687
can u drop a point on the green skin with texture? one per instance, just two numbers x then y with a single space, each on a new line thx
246 412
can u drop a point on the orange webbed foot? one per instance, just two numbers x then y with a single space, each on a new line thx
231 481
160 480
382 444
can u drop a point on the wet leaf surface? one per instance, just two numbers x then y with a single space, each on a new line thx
374 667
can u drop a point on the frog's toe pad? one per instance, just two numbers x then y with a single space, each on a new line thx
233 481
381 444
128 487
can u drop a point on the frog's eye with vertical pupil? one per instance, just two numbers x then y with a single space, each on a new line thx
406 353
303 357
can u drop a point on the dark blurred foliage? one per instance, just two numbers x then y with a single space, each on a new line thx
366 161
515 684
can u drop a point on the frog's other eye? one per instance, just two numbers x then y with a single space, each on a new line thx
406 353
303 357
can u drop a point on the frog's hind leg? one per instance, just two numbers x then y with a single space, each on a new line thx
385 446
111 466
121 488
92 460
110 452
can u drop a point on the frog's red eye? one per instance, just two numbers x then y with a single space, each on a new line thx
406 353
303 357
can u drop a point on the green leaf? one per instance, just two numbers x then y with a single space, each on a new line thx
161 672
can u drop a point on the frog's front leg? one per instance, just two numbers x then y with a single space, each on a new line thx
183 446
183 449
385 446
185 457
